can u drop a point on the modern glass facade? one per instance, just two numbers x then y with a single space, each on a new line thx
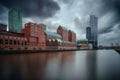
88 34
94 31
15 21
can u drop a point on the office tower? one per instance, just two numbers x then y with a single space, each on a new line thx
88 34
3 27
94 32
15 21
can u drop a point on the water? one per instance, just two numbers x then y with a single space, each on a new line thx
72 65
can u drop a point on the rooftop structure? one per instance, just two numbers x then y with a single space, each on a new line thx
53 34
64 28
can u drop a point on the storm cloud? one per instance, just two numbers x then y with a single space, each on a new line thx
39 8
73 14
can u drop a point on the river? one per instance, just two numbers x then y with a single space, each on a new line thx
71 65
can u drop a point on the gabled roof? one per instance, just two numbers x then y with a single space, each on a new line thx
72 31
64 28
43 25
53 34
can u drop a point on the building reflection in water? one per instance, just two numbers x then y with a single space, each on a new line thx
48 66
22 67
73 65
56 67
91 65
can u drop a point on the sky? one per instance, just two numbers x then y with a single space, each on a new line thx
72 14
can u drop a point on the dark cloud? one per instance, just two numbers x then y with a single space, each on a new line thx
106 30
2 9
111 5
119 27
39 8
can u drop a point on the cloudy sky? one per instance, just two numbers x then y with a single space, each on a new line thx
73 14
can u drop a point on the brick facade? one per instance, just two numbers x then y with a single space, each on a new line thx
35 36
11 40
72 36
63 32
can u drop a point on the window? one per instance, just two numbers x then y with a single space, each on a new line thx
25 43
18 42
10 42
22 43
6 41
15 42
1 41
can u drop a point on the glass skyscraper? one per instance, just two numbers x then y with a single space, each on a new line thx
15 21
88 34
94 30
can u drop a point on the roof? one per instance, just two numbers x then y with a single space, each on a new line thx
59 40
81 40
64 28
9 32
53 34
72 31
43 25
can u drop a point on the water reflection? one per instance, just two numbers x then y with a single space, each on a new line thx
91 65
79 65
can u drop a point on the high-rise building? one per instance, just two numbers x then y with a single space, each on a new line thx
94 32
3 27
88 34
15 21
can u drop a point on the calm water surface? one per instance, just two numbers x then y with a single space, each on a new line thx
73 65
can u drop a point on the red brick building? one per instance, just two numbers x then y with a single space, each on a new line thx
60 40
52 35
35 36
68 37
63 32
12 41
72 36
53 40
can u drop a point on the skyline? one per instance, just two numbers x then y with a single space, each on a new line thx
73 14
